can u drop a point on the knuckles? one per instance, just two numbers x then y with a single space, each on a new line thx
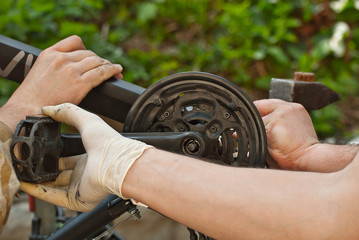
294 108
76 40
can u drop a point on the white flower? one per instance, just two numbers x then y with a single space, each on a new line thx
336 42
338 5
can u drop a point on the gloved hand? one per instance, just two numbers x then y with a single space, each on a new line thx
87 179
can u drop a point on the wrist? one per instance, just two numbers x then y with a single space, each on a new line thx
133 180
324 157
307 161
118 156
16 109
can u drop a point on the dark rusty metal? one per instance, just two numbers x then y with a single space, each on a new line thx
312 95
39 149
209 105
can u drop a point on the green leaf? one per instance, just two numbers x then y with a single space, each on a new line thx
146 12
278 54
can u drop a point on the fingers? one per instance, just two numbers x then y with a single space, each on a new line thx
46 193
94 69
267 106
69 163
119 75
86 60
70 114
90 62
71 57
63 179
102 72
69 44
276 109
78 55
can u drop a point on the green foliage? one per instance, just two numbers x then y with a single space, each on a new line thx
247 42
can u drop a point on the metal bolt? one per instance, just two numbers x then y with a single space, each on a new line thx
192 146
135 213
157 102
181 127
166 114
232 105
226 115
213 129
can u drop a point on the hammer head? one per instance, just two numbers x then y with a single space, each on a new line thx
312 95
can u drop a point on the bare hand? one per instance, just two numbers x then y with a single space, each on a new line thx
290 132
64 72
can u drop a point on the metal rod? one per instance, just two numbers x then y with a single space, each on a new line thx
89 223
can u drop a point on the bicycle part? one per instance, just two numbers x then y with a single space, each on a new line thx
177 142
210 105
91 223
207 104
43 144
40 148
134 213
169 141
193 235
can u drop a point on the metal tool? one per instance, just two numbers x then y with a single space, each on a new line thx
312 95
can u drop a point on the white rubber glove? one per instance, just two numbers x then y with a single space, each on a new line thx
89 178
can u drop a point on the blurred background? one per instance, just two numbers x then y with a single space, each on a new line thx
248 42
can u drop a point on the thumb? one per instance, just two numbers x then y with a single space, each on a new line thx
70 114
69 44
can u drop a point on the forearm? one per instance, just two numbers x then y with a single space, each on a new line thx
15 110
232 203
328 157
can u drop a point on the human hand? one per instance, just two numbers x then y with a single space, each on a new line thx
87 179
290 133
64 72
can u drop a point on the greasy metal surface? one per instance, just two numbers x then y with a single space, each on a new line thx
207 104
40 149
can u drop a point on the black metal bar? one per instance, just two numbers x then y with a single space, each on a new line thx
169 141
112 99
90 223
16 59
